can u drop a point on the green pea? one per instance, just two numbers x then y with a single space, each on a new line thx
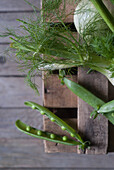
28 128
65 138
52 136
42 112
63 128
33 107
52 119
39 133
72 134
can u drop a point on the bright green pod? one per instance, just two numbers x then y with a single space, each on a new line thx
58 121
84 94
92 100
44 135
108 107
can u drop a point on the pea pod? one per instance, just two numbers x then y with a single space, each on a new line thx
108 107
84 94
99 105
56 119
44 135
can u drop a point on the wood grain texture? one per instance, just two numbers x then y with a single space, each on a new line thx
8 118
14 92
51 147
15 5
96 130
50 168
30 154
8 66
8 20
57 95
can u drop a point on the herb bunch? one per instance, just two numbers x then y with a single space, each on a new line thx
60 47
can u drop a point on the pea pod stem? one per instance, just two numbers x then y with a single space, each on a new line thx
44 135
58 121
105 14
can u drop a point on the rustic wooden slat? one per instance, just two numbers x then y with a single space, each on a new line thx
51 147
45 168
57 95
8 117
29 153
94 130
8 65
15 5
8 20
14 92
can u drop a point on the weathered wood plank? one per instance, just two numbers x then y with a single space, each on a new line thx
8 117
15 5
57 95
24 153
8 20
94 130
8 65
51 147
14 92
49 168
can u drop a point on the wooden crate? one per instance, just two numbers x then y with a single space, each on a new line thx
76 112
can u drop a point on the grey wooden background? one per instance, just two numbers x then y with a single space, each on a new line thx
16 149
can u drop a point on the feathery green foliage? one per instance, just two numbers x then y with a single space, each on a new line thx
60 48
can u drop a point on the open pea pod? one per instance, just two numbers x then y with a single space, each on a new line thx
44 135
56 119
105 108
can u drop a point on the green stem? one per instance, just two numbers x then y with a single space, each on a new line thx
104 12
